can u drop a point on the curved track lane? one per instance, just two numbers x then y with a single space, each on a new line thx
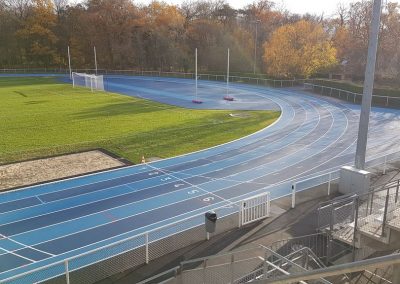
45 223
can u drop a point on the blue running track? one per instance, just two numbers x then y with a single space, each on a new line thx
50 222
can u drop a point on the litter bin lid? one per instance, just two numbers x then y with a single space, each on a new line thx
211 215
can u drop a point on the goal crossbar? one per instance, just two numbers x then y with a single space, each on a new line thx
91 81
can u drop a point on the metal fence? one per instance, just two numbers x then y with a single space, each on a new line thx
386 101
388 264
371 213
184 75
140 249
241 266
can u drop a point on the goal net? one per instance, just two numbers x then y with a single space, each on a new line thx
90 81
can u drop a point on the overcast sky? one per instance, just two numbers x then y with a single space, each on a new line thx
328 7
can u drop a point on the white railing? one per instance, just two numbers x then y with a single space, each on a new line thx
142 248
240 266
352 96
185 75
346 268
254 208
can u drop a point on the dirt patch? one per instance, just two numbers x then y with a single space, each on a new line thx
42 170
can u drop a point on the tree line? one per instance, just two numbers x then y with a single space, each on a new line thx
160 36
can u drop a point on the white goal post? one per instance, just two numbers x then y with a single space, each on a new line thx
93 82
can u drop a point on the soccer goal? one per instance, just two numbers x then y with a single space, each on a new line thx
88 80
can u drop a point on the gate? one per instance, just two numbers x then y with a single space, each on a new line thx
254 208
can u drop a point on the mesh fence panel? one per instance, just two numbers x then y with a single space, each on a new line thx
159 245
226 223
343 214
109 261
193 276
247 267
218 274
41 275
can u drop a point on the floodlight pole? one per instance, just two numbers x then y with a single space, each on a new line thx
227 75
69 64
95 58
196 71
368 86
255 48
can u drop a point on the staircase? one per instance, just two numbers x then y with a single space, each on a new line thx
255 263
370 219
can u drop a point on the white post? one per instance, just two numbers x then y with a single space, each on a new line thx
227 76
95 58
196 72
384 166
293 195
66 270
73 82
255 49
69 64
329 183
208 236
91 84
147 246
368 86
240 214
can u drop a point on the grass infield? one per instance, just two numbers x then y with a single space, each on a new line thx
41 117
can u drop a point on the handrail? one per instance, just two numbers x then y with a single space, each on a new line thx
289 261
174 269
218 255
355 95
339 269
61 262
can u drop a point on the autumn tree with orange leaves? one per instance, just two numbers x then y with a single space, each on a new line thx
298 50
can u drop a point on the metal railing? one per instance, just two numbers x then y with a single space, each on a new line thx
318 243
368 211
383 262
388 101
353 97
240 266
184 75
140 249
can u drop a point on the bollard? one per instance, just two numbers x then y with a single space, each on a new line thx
293 195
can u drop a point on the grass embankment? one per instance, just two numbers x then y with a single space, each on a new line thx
40 117
357 87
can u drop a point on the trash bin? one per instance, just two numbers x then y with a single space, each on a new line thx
211 221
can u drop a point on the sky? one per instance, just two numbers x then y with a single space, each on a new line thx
327 7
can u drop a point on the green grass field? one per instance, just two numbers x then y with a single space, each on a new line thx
40 117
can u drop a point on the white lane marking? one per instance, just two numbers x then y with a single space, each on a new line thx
15 254
272 98
24 245
154 197
193 185
122 184
38 198
125 194
217 203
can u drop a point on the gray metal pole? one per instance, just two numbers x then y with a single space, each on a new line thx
255 50
368 86
95 58
227 76
69 64
196 71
